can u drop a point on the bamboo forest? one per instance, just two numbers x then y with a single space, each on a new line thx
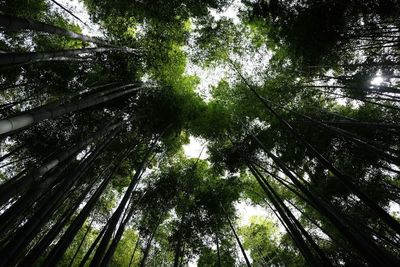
211 133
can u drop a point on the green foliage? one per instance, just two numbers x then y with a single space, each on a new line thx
315 91
262 239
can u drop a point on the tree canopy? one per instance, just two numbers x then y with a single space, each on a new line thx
296 105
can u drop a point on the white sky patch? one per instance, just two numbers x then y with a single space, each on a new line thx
231 12
78 9
394 208
197 148
209 77
254 63
378 80
245 211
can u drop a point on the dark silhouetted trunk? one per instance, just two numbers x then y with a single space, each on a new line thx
57 252
36 115
15 23
93 246
101 250
20 186
323 260
297 237
344 179
26 233
80 244
237 239
364 244
111 250
12 59
133 252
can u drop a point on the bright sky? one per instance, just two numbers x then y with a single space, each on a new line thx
196 148
79 10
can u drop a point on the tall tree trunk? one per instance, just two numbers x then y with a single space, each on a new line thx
80 244
26 233
297 237
178 246
45 242
364 124
366 101
13 59
38 249
16 23
62 245
314 222
344 179
36 115
218 252
146 252
364 244
148 244
237 239
28 201
19 186
111 249
358 140
93 246
11 105
101 250
323 259
133 252
69 12
12 152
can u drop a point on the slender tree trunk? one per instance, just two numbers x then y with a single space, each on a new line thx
45 242
133 252
17 23
69 12
20 186
363 124
344 179
323 259
62 245
12 162
10 105
314 222
26 233
297 238
80 244
146 252
358 140
237 239
101 250
11 153
10 217
13 59
36 115
218 252
111 250
178 245
365 245
149 242
93 246
366 101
